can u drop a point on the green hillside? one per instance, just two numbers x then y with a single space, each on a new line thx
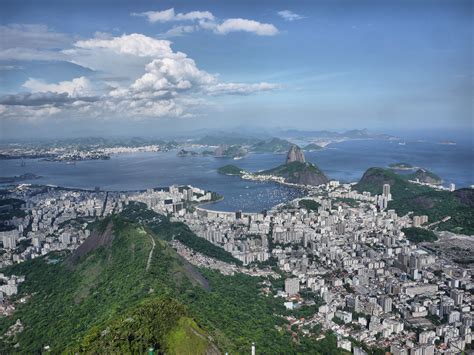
423 200
160 324
312 147
274 145
230 170
104 296
298 173
374 179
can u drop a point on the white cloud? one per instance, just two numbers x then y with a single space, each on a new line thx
207 21
134 44
75 88
162 82
240 89
288 15
170 15
177 31
243 25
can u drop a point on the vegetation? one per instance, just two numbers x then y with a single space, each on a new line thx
438 205
158 323
233 151
312 147
298 173
309 205
274 145
374 179
167 230
418 235
109 302
425 176
423 200
10 208
230 170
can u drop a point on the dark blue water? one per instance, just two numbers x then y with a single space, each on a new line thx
345 161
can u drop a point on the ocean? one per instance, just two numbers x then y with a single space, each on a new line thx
345 161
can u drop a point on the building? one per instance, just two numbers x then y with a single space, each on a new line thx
292 286
386 192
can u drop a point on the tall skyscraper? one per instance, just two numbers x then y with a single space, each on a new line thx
386 192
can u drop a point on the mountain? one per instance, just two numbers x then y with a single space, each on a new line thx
297 171
274 145
127 290
226 139
233 151
425 176
312 147
99 285
295 154
351 134
230 170
423 200
374 179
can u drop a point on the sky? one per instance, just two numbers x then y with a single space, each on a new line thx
76 68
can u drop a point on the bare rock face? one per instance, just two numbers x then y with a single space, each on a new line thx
295 154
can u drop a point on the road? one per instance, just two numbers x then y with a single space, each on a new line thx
148 263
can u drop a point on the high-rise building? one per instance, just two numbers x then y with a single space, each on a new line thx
452 187
292 286
386 192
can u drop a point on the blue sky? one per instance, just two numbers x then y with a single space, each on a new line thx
70 67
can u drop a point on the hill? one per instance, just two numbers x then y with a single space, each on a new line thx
298 173
312 147
274 145
231 170
70 294
423 200
160 324
108 301
374 179
425 176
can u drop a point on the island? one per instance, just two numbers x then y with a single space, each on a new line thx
231 170
18 178
297 170
312 147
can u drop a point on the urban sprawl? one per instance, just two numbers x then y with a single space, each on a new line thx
348 258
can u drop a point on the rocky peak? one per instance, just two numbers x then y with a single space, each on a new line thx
295 154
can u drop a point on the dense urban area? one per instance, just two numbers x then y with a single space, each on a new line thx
340 261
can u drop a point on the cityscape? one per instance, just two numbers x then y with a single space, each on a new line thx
149 204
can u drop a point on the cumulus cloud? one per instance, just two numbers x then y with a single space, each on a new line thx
41 99
75 88
243 25
288 15
170 15
207 21
163 83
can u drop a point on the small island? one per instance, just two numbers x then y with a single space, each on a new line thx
231 170
18 178
312 147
